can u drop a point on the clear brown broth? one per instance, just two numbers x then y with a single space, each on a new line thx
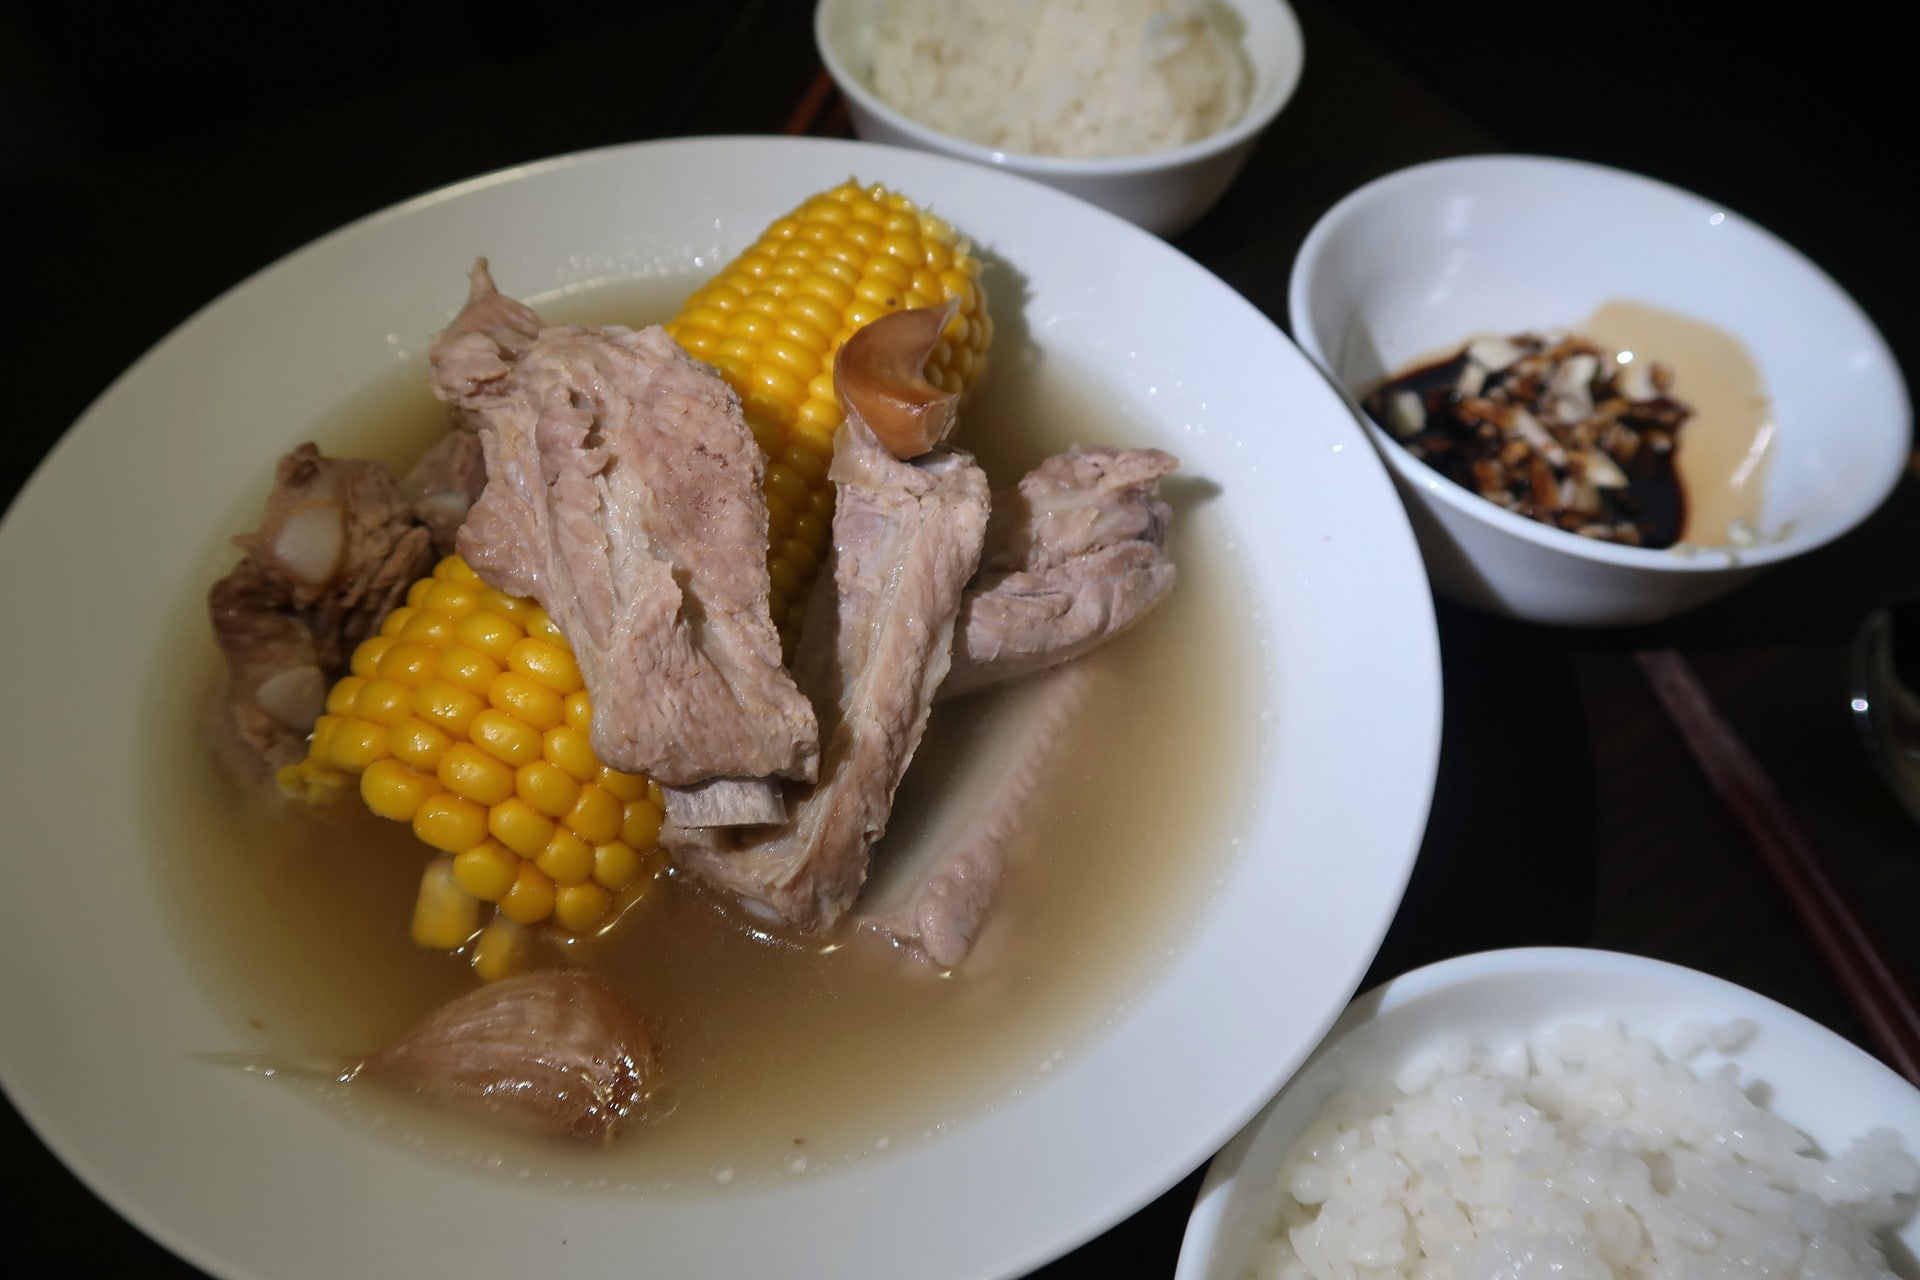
780 1058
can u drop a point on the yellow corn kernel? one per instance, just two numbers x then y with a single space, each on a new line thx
547 664
569 748
320 746
366 659
417 743
428 627
567 859
615 865
490 633
466 667
394 623
579 712
340 697
581 907
408 662
446 705
417 593
487 870
519 826
515 609
354 744
622 786
502 949
546 787
450 823
527 699
384 702
453 599
444 914
506 738
468 771
454 569
530 899
640 824
391 790
595 815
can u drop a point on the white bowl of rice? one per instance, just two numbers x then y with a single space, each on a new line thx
1572 1115
1147 108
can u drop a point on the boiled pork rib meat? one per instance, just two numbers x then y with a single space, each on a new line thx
450 476
950 887
623 493
336 550
1076 555
874 649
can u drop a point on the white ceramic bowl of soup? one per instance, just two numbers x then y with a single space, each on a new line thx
1411 266
1164 191
1826 1087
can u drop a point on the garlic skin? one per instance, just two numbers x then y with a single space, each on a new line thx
880 374
554 1052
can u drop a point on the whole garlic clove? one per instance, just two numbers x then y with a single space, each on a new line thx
554 1051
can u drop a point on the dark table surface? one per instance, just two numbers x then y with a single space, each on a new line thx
151 162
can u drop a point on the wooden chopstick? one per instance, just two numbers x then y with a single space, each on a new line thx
807 113
1872 988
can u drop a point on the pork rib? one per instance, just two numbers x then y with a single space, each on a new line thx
450 476
875 647
623 493
1076 555
941 911
335 551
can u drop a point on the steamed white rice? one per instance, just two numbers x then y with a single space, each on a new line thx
1584 1154
1064 77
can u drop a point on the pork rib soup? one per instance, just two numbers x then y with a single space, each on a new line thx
779 1053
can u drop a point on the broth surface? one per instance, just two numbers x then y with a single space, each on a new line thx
780 1059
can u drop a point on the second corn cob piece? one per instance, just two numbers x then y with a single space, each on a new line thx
774 319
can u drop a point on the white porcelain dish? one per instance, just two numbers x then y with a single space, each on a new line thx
1165 191
1415 263
1825 1086
247 1179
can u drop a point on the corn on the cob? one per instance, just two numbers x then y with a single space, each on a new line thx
772 321
466 716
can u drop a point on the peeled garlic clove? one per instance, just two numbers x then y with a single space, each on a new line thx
1600 470
1406 415
553 1051
880 374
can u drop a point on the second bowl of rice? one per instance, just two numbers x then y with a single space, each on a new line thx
1575 1115
1147 108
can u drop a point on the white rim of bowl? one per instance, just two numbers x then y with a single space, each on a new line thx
1659 560
1210 1204
1258 115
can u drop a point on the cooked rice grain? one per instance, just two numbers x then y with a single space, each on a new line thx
1077 78
1585 1153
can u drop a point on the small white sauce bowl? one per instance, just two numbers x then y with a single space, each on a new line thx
1163 191
1414 264
1818 1082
